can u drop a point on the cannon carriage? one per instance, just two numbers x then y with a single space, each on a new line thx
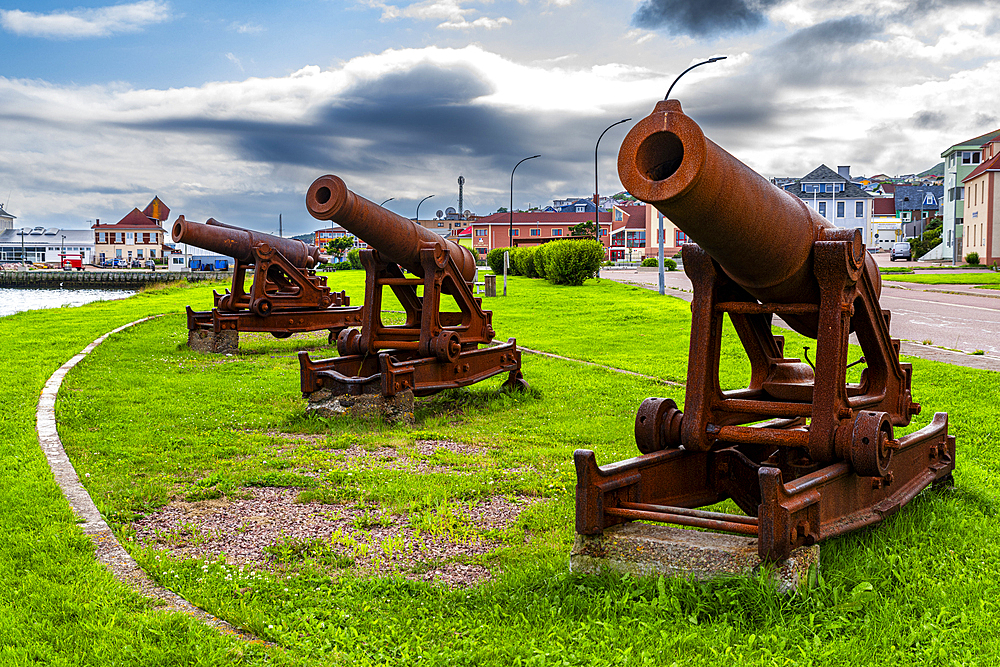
435 348
805 454
285 297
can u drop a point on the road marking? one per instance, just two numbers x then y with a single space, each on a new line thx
943 303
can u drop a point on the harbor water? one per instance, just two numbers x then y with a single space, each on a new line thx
13 300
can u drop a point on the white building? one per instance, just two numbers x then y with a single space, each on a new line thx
836 198
45 244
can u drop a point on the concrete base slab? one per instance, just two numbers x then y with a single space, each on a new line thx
395 409
206 340
641 549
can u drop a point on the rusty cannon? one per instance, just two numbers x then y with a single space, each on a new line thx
802 451
437 346
285 297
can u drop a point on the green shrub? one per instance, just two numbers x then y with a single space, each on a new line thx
972 258
494 258
541 252
670 264
354 258
343 266
572 262
526 262
650 261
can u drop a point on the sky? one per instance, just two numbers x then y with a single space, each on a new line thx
231 109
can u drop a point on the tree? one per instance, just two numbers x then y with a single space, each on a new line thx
338 246
583 229
502 209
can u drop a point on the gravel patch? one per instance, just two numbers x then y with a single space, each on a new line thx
270 530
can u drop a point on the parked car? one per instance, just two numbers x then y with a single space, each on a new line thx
900 250
150 264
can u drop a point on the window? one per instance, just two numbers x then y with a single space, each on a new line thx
440 223
604 232
971 157
129 238
155 237
960 194
840 209
859 209
138 253
822 208
536 232
118 253
152 253
557 231
810 187
680 237
517 232
618 214
481 232
580 208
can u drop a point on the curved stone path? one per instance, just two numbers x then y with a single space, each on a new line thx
107 548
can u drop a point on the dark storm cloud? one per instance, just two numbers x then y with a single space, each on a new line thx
828 53
418 128
702 18
926 120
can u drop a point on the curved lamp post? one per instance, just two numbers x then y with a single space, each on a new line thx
510 230
597 196
704 62
417 219
510 211
387 201
667 97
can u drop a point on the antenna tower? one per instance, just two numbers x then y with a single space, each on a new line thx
461 183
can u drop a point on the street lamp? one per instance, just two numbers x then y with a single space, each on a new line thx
510 230
417 219
667 97
387 201
62 253
704 62
597 197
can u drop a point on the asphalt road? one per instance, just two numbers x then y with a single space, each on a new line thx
942 322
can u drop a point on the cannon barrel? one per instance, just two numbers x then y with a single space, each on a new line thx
396 238
760 235
238 243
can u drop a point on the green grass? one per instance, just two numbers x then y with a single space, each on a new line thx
984 278
150 421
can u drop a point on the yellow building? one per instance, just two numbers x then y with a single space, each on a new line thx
136 237
982 207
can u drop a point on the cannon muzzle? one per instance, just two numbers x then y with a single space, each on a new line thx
238 243
395 238
760 235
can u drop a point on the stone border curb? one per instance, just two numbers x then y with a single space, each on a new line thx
107 549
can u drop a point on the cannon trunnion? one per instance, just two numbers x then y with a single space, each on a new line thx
286 295
803 453
434 349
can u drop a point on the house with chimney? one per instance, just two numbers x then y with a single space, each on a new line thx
137 236
835 197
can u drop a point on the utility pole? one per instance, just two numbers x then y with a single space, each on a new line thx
280 234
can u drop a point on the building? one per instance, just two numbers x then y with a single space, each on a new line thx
959 161
915 205
6 220
886 227
833 195
137 236
530 228
321 237
982 206
44 245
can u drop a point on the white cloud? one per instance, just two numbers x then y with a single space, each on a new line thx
246 28
452 12
84 23
236 61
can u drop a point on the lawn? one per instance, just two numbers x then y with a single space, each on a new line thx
981 278
160 429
